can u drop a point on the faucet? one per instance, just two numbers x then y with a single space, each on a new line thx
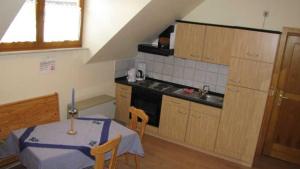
204 90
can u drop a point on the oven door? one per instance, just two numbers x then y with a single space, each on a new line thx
149 101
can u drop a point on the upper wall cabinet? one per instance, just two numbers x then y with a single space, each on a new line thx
218 44
250 74
189 41
253 45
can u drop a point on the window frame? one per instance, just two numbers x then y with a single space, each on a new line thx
39 43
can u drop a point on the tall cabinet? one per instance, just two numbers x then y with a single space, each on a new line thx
250 73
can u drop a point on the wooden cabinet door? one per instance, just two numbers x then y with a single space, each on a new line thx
251 74
203 126
189 42
123 100
253 45
218 42
240 123
173 118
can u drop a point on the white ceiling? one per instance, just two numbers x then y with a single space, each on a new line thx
8 10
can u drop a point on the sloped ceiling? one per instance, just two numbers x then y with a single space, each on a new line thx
104 18
144 26
8 10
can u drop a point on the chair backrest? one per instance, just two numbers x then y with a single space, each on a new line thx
133 123
99 151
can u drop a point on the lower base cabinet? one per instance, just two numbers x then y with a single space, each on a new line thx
203 126
174 118
189 123
123 99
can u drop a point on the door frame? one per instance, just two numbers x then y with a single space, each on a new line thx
273 89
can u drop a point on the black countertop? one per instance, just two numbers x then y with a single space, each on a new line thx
171 92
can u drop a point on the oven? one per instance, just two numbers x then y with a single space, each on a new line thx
149 101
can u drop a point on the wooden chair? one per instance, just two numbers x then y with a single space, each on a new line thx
133 123
139 128
99 151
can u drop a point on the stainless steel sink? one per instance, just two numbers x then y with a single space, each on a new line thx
199 96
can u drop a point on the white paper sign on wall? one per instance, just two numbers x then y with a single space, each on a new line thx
47 66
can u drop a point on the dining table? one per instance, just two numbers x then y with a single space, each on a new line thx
49 146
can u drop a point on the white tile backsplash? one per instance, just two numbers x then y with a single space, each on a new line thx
190 64
178 61
188 73
168 69
180 71
211 78
169 60
201 65
200 75
158 67
122 66
212 67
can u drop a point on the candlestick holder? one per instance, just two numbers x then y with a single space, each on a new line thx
72 112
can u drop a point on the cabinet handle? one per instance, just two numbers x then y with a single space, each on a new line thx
179 111
123 96
235 81
194 56
233 90
175 102
252 54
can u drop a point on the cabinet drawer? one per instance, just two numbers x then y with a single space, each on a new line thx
123 88
177 102
197 109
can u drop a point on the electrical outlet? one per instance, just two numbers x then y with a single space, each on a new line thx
266 14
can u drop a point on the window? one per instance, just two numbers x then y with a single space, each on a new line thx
42 24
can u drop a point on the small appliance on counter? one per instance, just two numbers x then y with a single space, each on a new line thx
131 75
141 71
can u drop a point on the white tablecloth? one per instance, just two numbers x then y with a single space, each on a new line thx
52 158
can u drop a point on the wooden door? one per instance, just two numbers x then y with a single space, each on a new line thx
217 42
283 139
123 100
240 123
253 45
173 118
203 126
189 42
250 73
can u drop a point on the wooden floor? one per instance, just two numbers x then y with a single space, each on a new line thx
160 154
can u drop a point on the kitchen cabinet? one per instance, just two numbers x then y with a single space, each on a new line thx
123 99
217 45
240 123
174 118
203 126
250 73
254 45
189 42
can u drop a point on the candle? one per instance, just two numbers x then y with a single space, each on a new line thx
73 99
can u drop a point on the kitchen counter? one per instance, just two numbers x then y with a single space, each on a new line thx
214 99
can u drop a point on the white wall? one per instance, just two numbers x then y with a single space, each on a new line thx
248 13
21 79
104 18
8 10
146 25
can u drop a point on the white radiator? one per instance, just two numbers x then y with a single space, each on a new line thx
104 105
